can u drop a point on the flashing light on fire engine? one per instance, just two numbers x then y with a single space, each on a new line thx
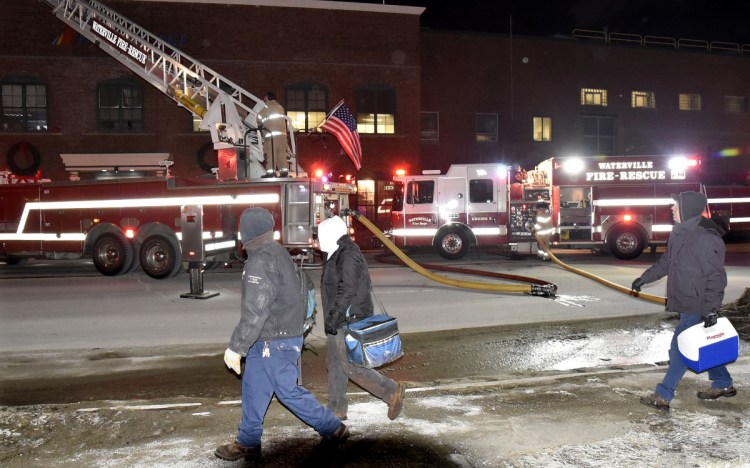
573 166
129 233
628 217
681 163
400 172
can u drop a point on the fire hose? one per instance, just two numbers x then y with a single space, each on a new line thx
598 279
544 290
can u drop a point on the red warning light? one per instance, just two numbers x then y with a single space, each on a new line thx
318 173
628 217
129 233
400 172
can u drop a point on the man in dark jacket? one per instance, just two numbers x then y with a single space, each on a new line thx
694 263
345 286
270 335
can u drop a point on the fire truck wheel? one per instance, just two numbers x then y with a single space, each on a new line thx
626 243
160 256
112 254
452 244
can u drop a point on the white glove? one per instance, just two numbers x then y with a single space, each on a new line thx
232 360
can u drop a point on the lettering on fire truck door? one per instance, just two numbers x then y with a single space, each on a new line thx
420 213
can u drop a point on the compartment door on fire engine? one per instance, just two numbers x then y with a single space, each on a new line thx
420 210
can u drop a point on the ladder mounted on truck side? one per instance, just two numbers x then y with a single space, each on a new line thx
227 110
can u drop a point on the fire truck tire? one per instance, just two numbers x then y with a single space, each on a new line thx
626 243
160 256
452 244
112 254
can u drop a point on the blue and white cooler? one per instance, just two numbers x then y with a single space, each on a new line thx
702 348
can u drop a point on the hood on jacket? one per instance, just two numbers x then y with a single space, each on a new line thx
255 222
329 232
690 204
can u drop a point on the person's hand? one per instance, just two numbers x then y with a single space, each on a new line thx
710 319
232 360
637 284
332 323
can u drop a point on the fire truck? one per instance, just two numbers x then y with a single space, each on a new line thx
469 205
163 223
620 204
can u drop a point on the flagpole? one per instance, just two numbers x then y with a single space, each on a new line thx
341 102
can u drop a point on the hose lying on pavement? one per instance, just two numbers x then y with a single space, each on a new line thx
533 289
598 279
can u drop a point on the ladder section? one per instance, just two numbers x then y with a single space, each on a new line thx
228 111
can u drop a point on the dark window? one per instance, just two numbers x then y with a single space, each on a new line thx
24 107
376 110
120 107
486 127
480 191
420 192
306 106
429 126
598 135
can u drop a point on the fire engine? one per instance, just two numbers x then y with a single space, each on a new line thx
622 203
163 222
471 204
615 203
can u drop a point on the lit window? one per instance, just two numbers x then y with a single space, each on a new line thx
486 127
735 104
542 128
643 99
24 107
690 102
120 107
429 126
306 106
593 97
376 110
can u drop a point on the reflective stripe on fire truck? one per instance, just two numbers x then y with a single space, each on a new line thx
126 203
487 231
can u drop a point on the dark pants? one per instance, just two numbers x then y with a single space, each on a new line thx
719 374
277 374
340 371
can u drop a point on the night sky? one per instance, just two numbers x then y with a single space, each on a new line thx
710 20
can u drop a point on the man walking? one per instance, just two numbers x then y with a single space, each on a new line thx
270 335
694 264
345 290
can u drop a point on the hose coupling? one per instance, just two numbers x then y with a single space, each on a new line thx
544 290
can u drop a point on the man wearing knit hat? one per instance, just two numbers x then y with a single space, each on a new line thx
269 334
694 264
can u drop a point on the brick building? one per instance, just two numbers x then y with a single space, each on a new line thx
424 99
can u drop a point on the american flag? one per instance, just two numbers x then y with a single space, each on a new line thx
341 123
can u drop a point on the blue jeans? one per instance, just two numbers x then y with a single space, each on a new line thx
277 374
719 374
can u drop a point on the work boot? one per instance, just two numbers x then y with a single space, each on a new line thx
341 416
339 435
655 401
396 403
714 393
235 451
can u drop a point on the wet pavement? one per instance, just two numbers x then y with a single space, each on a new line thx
562 394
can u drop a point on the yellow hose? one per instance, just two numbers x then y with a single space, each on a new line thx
598 279
534 289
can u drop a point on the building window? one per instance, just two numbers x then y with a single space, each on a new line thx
542 129
376 110
486 127
120 107
24 107
306 106
598 135
643 99
690 102
735 104
429 126
593 97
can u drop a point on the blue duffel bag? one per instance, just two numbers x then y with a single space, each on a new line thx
373 342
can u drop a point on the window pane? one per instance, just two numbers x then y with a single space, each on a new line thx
120 107
690 102
420 192
480 191
542 128
644 99
376 110
109 97
429 125
593 97
385 123
486 127
306 106
24 107
734 104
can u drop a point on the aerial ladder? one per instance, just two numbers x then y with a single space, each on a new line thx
226 110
